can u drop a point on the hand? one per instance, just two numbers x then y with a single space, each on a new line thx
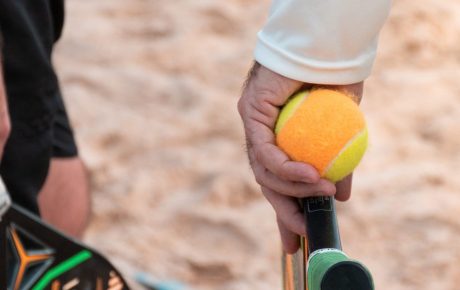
5 125
282 181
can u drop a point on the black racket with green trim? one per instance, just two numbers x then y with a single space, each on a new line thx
320 263
328 268
35 256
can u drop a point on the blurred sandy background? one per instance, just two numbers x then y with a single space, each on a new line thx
152 87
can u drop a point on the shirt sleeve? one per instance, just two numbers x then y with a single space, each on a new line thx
322 41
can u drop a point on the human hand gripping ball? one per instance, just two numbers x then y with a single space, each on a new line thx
325 129
282 180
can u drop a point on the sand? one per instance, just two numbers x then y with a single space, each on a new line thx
152 88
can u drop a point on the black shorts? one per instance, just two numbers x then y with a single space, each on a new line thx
29 149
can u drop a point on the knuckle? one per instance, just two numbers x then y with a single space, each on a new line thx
259 179
282 172
264 94
284 175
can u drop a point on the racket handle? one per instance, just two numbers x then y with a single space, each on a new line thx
321 220
328 267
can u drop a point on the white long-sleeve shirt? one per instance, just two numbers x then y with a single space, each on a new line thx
322 41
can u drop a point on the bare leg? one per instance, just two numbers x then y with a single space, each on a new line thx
64 201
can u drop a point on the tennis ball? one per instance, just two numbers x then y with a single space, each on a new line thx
325 129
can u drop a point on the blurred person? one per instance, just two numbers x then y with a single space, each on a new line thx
304 43
40 165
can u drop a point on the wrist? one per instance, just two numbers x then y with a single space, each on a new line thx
354 91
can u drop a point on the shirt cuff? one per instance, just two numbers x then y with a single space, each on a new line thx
311 70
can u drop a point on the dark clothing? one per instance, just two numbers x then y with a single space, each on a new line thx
40 129
30 29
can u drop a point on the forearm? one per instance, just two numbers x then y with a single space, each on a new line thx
5 125
3 101
322 42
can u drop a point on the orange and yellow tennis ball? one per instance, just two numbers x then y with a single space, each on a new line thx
325 129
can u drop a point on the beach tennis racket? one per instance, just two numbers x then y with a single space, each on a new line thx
34 255
320 263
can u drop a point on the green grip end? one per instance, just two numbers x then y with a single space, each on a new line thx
333 270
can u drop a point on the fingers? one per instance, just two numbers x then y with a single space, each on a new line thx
263 93
343 188
277 162
262 150
292 188
290 218
289 239
287 210
283 181
259 110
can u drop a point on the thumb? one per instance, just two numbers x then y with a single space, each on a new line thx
343 188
